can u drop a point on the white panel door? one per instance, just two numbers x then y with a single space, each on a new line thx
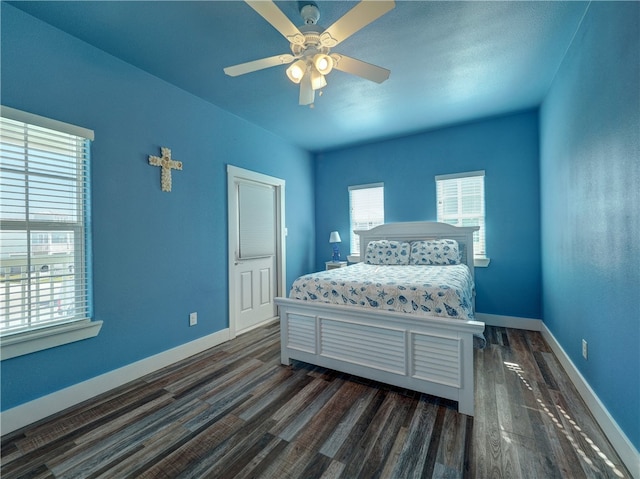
255 246
254 292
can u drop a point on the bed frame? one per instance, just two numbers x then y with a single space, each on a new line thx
429 354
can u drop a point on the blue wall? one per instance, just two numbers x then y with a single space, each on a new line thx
157 256
590 177
505 147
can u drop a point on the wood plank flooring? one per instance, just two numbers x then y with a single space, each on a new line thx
234 412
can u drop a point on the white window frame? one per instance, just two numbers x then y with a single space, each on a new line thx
36 337
476 217
370 220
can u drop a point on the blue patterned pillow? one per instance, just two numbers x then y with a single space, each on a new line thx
387 252
435 252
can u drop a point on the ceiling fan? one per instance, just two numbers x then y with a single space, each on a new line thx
311 57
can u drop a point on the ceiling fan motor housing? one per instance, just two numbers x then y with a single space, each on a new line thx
311 45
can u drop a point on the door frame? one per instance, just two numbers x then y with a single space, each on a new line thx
234 174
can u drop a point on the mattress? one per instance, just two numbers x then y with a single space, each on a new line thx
445 291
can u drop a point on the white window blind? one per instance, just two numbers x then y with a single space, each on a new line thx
460 200
256 204
44 230
366 206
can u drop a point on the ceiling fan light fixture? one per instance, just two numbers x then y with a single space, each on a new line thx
296 71
323 63
317 80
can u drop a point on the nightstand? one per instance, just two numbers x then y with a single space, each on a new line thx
335 264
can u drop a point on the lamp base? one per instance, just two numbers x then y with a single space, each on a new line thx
336 253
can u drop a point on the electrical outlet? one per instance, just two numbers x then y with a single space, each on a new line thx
584 349
193 319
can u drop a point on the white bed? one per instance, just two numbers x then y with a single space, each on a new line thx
426 352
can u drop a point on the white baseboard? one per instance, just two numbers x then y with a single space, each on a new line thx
627 452
620 442
258 325
28 413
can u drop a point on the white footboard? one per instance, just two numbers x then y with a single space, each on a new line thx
426 354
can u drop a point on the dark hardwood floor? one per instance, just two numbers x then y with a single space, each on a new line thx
234 412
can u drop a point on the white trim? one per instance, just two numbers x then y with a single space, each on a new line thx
620 442
41 121
28 342
261 324
363 187
45 406
509 321
479 262
454 176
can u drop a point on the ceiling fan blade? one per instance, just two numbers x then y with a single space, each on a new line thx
242 68
360 68
272 14
307 94
358 17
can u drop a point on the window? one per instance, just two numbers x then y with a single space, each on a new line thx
366 207
44 239
460 200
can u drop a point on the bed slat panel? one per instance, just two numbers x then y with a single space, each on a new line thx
382 348
302 333
437 359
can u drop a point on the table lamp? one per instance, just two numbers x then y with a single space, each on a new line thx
334 239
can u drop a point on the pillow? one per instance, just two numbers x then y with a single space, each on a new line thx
435 252
387 252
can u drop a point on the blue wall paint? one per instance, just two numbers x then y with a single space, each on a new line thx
156 256
590 172
505 147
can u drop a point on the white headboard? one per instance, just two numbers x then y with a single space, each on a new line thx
421 230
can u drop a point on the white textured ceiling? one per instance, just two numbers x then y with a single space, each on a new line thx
450 62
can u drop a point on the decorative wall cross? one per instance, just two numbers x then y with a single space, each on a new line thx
167 165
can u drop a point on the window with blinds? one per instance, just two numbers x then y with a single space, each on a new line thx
460 200
366 207
44 208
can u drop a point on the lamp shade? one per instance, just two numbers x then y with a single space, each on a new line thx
317 80
323 63
334 237
296 71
